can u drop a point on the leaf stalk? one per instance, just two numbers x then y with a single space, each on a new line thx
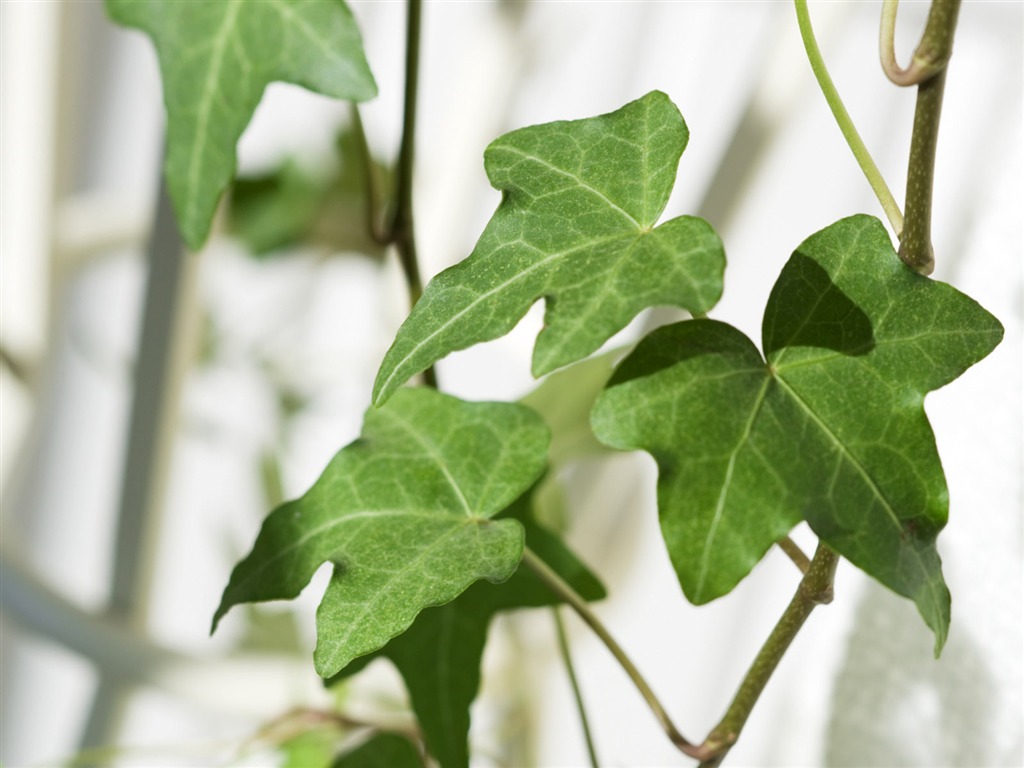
559 587
845 122
563 648
793 551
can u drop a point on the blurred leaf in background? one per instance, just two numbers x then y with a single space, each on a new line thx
302 203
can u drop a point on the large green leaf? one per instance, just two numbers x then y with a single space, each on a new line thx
831 429
439 656
404 514
216 57
576 226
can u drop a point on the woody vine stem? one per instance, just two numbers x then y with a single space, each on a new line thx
927 71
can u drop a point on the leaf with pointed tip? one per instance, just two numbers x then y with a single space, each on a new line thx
404 514
216 57
439 656
831 429
576 226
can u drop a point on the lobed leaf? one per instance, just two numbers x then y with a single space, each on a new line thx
404 514
440 655
829 428
216 58
576 226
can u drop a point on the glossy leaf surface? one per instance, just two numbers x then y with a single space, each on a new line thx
216 58
830 428
404 514
577 227
439 656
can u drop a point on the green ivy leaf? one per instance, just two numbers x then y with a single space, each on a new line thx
439 656
216 57
404 514
576 226
831 429
385 750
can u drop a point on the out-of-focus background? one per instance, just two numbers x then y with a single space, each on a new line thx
124 509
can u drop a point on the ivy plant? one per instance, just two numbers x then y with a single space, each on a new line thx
427 519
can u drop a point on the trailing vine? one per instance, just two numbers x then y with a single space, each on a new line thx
428 519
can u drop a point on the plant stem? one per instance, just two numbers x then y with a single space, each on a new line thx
915 241
815 589
374 204
402 230
559 587
930 56
563 647
853 139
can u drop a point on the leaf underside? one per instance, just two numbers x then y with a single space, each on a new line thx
829 427
216 58
404 514
576 227
439 656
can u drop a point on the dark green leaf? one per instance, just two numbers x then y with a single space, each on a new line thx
385 750
576 226
439 655
404 515
216 57
831 429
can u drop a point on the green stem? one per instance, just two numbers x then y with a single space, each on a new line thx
930 56
374 202
815 589
842 117
563 647
916 240
793 551
559 587
402 229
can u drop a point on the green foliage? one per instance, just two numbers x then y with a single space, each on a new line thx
404 514
310 749
295 205
576 226
829 428
423 519
384 750
439 655
216 58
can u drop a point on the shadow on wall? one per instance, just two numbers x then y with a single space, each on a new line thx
894 705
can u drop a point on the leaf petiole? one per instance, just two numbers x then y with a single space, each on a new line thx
853 139
793 551
563 648
558 586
